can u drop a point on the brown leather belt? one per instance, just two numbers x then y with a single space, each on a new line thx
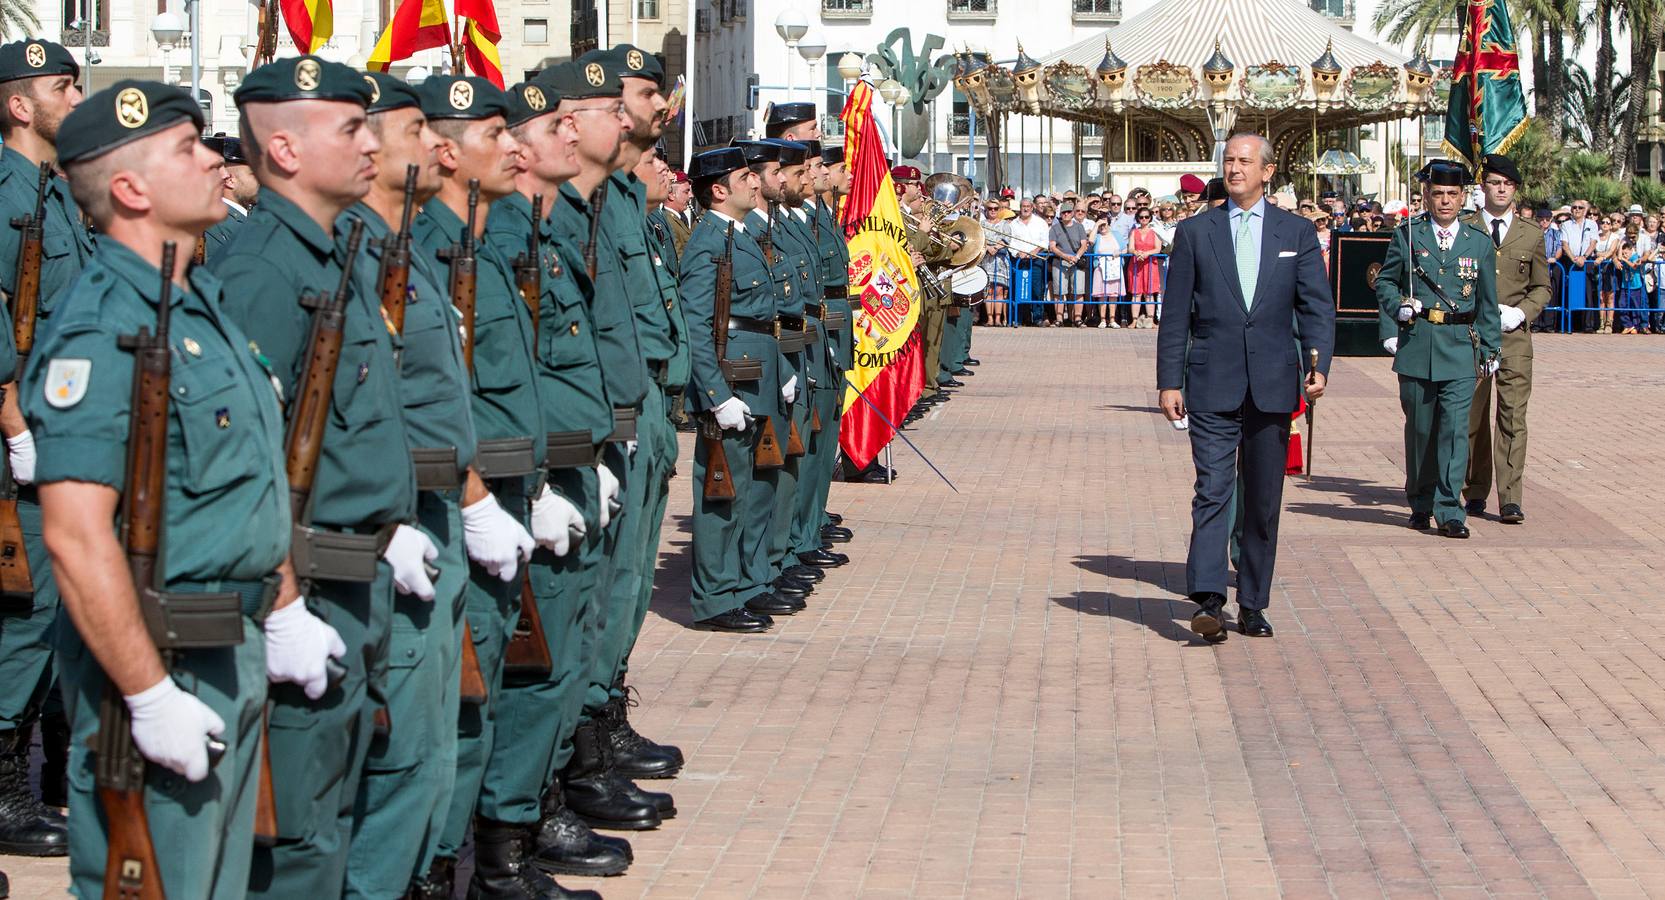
569 450
505 458
436 468
836 292
752 326
817 310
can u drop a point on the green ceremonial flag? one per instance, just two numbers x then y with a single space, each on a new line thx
1487 110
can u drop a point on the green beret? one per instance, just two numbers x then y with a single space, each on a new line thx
629 62
303 78
34 58
462 97
531 99
122 113
582 79
388 93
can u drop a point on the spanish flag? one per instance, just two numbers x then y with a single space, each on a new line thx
480 37
311 22
417 25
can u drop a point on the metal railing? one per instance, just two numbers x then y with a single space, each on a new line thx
1035 282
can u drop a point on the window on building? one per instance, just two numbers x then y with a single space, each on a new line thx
536 31
971 7
1105 9
647 9
99 12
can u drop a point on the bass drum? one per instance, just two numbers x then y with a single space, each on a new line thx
970 281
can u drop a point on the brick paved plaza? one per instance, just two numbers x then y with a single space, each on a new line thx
1000 697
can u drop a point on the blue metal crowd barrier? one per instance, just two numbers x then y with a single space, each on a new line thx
1024 271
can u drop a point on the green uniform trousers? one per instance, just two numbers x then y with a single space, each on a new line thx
790 477
730 537
932 317
203 832
656 437
957 342
1506 456
318 746
535 717
1436 444
27 632
617 633
815 473
405 792
492 607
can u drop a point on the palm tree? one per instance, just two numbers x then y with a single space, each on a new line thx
18 17
1601 110
1645 20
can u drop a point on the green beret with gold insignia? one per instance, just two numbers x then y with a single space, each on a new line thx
303 78
531 99
462 97
122 113
388 93
629 61
582 80
33 58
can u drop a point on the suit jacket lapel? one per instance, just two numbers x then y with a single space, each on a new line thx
1270 232
1224 254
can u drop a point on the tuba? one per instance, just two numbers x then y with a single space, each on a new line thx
947 239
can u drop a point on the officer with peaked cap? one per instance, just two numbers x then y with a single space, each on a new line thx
1438 296
304 124
792 121
135 164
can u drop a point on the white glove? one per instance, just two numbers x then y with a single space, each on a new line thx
556 523
789 390
1408 309
297 645
1512 317
609 484
1492 367
630 449
732 414
1391 345
1182 423
494 539
22 453
410 553
171 728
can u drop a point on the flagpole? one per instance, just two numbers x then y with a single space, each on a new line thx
688 68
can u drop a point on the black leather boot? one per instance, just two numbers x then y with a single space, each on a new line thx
566 846
502 872
633 755
662 802
27 828
54 767
439 883
594 792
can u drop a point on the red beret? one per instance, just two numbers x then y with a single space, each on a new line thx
679 176
903 174
1191 184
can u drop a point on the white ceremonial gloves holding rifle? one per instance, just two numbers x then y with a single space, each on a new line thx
20 448
411 555
732 414
299 646
608 485
494 539
171 728
556 522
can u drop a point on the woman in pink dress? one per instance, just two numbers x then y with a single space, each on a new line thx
1144 273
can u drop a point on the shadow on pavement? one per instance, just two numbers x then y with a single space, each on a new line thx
1365 501
675 571
1158 613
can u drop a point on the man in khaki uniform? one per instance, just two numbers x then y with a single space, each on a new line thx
1522 293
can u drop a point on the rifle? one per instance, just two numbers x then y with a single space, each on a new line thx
527 653
265 47
719 478
598 200
131 871
794 440
394 277
464 275
767 241
529 269
26 284
308 417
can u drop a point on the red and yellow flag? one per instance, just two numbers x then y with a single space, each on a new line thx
888 366
311 22
480 37
416 25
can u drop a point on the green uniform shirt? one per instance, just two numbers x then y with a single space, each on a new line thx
226 503
753 297
788 266
65 245
434 384
572 394
364 477
616 342
505 395
798 229
1467 276
835 273
666 272
221 233
627 227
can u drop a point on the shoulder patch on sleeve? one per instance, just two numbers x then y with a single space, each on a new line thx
66 382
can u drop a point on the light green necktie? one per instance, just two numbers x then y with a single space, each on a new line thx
1248 256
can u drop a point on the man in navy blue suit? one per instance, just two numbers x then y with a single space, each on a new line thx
1241 278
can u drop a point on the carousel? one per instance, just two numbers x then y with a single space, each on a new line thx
1168 86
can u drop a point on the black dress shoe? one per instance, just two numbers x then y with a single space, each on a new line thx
566 846
659 800
950 382
834 518
770 605
1511 514
1252 622
804 573
821 559
736 621
1421 521
973 362
1452 528
1475 507
788 589
873 476
963 373
1209 621
836 557
795 583
836 534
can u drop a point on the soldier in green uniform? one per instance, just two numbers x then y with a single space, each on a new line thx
469 115
238 190
405 791
314 156
537 712
659 332
1438 294
730 537
591 783
37 88
136 166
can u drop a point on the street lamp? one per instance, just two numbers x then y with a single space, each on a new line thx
850 66
167 28
792 26
895 94
417 75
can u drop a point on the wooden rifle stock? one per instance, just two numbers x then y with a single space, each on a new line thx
527 653
794 440
529 267
394 277
473 690
464 276
16 580
199 256
131 871
719 478
767 455
26 284
814 421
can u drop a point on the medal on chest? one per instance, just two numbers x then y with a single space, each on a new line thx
1468 268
